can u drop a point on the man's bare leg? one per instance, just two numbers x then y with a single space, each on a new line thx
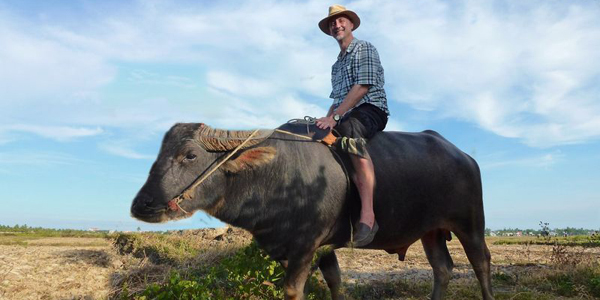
365 182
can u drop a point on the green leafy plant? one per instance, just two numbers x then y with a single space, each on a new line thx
503 278
594 286
563 284
248 274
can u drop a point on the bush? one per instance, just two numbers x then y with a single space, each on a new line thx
501 277
563 284
594 286
248 274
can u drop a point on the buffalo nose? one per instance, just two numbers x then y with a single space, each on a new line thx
141 201
143 198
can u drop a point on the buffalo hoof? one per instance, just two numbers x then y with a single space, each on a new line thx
364 234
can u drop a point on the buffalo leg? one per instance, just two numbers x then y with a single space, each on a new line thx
296 275
479 256
331 272
434 244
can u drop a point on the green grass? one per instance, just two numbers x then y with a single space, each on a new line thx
25 230
24 240
248 274
20 240
199 270
28 237
242 271
580 282
550 283
173 249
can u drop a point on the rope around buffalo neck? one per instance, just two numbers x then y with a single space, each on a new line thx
187 193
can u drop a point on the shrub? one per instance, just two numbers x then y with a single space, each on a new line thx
594 286
502 277
248 274
563 284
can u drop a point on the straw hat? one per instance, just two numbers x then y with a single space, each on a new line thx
336 10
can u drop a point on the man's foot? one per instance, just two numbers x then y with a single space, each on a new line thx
364 234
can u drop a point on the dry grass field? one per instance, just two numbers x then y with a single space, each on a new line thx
96 268
57 268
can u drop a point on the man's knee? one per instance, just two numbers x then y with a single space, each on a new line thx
355 146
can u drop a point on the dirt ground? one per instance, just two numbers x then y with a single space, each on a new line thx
85 268
57 268
359 266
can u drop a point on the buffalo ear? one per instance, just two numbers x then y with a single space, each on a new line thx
250 159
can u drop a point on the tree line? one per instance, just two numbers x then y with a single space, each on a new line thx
543 231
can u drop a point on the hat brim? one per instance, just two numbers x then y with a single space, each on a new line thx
324 24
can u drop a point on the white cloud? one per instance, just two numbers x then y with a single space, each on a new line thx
240 86
244 112
123 149
37 159
37 67
290 107
146 77
545 160
201 36
527 70
6 137
59 133
524 70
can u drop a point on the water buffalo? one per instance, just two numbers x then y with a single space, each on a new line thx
294 196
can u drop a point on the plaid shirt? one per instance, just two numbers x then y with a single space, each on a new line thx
359 65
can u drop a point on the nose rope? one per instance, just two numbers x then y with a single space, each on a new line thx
188 192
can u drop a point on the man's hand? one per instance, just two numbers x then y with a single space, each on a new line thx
326 122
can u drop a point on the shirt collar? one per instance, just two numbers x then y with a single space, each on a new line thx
349 49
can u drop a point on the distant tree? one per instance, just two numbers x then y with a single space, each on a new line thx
545 229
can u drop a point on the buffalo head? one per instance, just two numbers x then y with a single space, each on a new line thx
188 151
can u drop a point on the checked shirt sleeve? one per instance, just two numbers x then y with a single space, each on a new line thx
366 65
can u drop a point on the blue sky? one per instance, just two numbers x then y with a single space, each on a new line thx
88 88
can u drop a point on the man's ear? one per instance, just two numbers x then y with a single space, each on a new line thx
250 159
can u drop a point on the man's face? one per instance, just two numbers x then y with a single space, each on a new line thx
340 27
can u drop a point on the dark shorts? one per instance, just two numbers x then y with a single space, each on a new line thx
357 127
362 122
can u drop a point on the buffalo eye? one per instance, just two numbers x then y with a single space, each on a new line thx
190 157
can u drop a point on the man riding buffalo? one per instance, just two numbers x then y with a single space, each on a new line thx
293 194
359 108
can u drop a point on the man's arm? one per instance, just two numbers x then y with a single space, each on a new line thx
330 112
357 92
